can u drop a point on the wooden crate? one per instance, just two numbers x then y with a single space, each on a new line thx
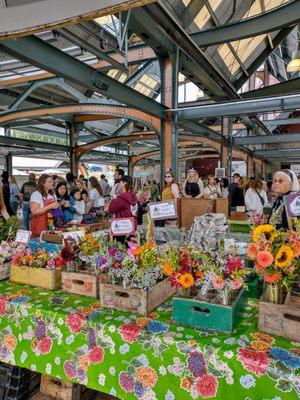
83 283
203 314
280 319
4 271
60 390
221 206
41 277
135 300
238 216
52 237
191 208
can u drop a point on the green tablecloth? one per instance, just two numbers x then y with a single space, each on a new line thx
132 357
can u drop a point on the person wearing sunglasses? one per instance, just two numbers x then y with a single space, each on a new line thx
284 182
170 192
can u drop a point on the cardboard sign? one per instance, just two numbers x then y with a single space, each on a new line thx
292 207
220 173
162 210
23 237
122 226
76 235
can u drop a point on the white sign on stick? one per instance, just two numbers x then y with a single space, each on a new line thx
162 210
23 237
122 226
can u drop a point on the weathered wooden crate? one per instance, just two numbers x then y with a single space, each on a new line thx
41 277
52 237
60 390
135 300
205 315
4 271
83 283
238 216
280 319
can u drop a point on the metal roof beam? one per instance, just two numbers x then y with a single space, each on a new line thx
56 61
284 138
274 20
277 153
276 122
239 107
290 86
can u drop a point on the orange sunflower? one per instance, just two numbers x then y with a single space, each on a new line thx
186 280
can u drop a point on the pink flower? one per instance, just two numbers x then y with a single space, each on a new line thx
50 264
264 259
3 305
129 332
253 361
233 264
69 370
96 355
293 237
126 382
236 284
45 345
218 282
207 386
75 322
16 258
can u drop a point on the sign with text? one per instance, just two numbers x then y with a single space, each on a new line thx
76 235
23 237
292 206
122 226
162 210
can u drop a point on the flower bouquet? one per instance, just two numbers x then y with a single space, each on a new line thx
276 256
7 251
37 268
135 282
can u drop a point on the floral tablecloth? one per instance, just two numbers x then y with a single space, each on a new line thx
134 357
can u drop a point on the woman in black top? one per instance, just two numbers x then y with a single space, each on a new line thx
193 186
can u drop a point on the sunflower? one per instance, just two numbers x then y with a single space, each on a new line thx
273 278
269 232
168 269
186 280
284 256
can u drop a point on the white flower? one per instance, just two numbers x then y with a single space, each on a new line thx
169 395
101 379
180 329
247 381
168 340
229 380
143 359
57 360
149 395
23 357
112 371
124 349
48 369
70 339
228 354
60 321
20 337
230 340
162 370
112 350
33 367
112 328
112 392
194 392
215 340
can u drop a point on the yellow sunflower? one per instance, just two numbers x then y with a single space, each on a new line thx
284 256
269 232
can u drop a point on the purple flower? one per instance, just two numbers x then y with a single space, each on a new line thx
80 375
119 256
126 382
112 251
157 327
40 330
138 390
92 338
69 370
196 364
101 261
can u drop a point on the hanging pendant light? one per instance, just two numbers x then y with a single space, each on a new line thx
294 64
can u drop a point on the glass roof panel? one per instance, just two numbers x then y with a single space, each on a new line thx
186 2
228 57
202 17
245 47
257 7
215 4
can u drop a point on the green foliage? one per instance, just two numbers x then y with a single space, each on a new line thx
8 229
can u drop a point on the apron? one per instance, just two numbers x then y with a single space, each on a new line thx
39 223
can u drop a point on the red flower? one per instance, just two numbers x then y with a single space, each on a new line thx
3 304
130 332
207 386
233 264
75 322
59 261
253 361
45 345
96 355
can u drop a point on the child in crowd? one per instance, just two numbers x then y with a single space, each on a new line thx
79 204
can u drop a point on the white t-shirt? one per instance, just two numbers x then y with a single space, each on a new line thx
38 198
98 200
253 202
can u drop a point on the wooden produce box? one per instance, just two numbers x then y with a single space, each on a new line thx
83 283
280 319
203 314
221 206
135 300
60 390
97 226
41 277
238 216
191 208
52 237
4 271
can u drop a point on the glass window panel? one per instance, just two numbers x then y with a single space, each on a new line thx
215 4
186 2
228 58
245 47
112 73
202 17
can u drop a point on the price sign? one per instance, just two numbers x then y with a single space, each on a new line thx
76 235
122 226
162 210
23 237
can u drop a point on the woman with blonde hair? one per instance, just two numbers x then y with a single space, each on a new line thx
211 191
193 186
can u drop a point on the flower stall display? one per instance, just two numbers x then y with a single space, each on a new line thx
276 256
7 251
135 282
37 268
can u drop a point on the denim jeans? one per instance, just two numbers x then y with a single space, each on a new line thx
26 215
